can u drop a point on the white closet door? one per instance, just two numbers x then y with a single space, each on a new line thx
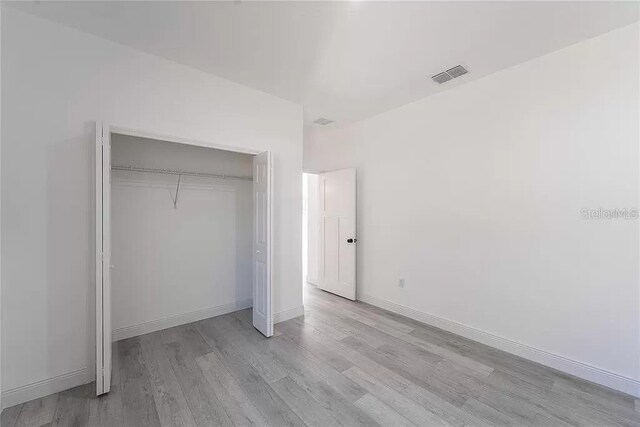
103 259
262 316
337 232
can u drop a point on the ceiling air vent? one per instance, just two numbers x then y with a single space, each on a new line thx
457 71
450 74
322 121
441 78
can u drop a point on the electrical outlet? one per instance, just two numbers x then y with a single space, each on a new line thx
401 283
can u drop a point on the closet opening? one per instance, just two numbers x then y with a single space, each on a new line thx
183 234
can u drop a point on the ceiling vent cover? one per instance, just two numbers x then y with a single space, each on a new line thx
441 78
322 121
450 74
457 71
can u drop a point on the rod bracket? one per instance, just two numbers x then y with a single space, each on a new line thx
175 199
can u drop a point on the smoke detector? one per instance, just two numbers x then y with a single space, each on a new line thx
322 121
450 74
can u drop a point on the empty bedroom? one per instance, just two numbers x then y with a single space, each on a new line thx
356 213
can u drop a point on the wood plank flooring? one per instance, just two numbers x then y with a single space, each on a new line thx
343 363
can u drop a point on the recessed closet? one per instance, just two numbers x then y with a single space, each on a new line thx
181 221
183 233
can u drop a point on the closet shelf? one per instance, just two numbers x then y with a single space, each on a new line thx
180 173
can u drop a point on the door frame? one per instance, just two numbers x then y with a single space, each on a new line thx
102 266
100 290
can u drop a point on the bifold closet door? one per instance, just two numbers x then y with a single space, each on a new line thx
262 315
103 258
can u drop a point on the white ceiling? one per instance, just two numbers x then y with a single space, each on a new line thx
343 60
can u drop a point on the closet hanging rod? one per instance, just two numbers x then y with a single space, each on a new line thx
178 172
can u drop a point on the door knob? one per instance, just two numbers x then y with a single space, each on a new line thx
352 240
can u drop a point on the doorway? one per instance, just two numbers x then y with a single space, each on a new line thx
180 212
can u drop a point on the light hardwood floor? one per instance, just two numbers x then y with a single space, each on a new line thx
343 363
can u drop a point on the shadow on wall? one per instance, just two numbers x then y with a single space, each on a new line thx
70 267
244 241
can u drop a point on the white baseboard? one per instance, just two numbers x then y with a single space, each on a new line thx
181 319
46 387
288 314
312 280
579 369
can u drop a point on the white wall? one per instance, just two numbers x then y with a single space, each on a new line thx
56 81
177 265
156 154
474 197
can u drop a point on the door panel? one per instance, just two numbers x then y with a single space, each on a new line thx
262 317
103 258
347 262
337 240
331 249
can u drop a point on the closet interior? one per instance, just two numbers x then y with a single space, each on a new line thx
181 224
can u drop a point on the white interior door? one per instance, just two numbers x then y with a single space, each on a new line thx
103 259
337 232
262 316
